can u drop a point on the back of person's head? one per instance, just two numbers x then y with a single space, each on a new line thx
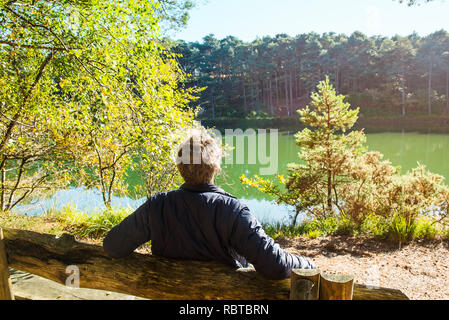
199 158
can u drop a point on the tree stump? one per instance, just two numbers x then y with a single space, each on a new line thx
336 287
305 284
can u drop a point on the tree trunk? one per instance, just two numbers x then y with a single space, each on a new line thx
271 98
263 93
252 93
213 105
337 83
447 90
291 92
429 107
329 191
245 105
2 195
297 86
305 284
27 95
277 90
286 94
336 287
403 94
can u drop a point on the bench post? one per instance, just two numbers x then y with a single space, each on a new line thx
5 281
305 284
336 287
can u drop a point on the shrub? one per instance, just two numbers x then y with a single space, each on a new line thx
344 186
401 229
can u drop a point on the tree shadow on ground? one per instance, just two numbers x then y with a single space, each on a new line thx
354 246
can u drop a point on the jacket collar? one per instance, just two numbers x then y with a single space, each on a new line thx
202 188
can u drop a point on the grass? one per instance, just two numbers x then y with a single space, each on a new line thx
67 220
95 226
391 229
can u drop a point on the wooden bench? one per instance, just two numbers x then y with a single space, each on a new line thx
153 277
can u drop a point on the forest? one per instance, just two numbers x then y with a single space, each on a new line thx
274 76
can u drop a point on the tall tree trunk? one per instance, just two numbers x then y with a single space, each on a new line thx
297 86
286 94
213 105
271 98
403 94
277 90
26 96
253 95
245 104
429 107
291 91
337 83
329 171
447 90
3 178
329 191
264 95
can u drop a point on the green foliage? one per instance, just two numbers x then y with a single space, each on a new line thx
394 229
328 156
95 225
402 229
276 74
86 88
427 229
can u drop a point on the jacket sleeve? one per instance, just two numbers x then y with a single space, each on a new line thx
132 232
250 240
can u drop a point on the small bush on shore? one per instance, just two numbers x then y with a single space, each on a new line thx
94 225
395 230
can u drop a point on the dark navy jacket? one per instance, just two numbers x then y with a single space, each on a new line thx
202 223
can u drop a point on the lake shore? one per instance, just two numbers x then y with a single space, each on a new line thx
371 123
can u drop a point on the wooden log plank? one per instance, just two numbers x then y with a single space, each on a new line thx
5 281
336 287
365 292
140 275
305 284
147 276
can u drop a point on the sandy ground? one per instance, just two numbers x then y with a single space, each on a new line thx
27 286
419 269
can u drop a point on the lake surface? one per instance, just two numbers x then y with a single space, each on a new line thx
402 149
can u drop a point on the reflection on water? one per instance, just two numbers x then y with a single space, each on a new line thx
404 149
84 200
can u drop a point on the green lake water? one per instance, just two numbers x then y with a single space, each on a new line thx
402 149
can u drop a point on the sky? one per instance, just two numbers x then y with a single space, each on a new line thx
249 19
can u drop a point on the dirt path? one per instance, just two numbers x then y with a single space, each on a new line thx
419 269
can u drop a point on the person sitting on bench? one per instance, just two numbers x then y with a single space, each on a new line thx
200 221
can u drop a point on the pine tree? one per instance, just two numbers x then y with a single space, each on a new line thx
327 152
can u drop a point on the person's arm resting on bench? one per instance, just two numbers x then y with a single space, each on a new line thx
131 233
250 241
